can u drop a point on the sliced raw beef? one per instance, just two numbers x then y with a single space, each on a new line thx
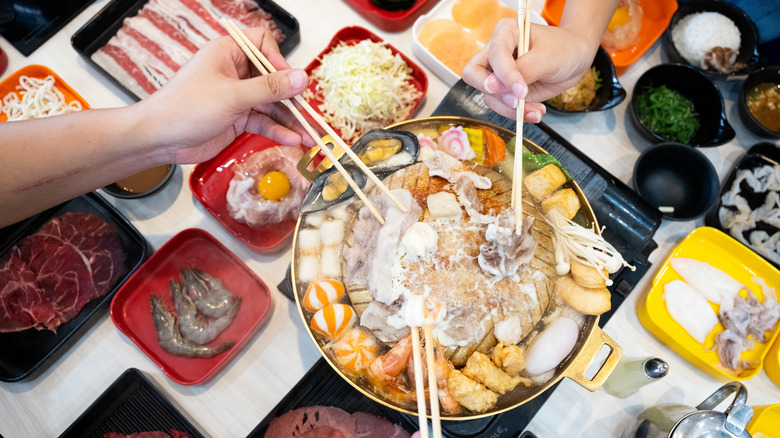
298 422
22 303
98 240
371 426
325 432
62 272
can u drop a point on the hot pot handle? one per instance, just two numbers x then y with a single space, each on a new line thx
589 351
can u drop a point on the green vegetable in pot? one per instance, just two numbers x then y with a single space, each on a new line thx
533 161
667 114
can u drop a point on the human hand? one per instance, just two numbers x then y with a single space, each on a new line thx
217 95
556 60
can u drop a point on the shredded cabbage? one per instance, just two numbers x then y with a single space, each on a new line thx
363 87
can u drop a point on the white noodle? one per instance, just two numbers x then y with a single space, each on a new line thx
39 98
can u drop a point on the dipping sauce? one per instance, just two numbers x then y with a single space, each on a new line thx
144 181
763 101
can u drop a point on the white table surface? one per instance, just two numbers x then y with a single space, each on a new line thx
233 402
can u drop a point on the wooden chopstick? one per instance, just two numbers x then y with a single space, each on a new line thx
236 33
419 383
524 23
350 153
433 385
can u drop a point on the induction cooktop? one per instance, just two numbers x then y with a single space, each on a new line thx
27 24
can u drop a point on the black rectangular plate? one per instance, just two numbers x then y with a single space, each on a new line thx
131 404
34 22
23 352
759 155
97 31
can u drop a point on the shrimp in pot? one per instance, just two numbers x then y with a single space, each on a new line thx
193 325
170 338
384 372
209 294
443 368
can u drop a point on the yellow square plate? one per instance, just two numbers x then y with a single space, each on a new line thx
766 421
723 252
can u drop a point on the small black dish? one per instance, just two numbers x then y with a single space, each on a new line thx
748 46
610 94
769 75
714 129
119 191
677 176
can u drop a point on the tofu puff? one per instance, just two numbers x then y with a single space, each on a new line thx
565 201
543 182
472 395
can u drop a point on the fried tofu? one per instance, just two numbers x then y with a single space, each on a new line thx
481 369
588 276
511 359
470 394
588 301
543 182
565 201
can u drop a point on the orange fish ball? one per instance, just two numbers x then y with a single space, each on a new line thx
320 293
333 319
355 350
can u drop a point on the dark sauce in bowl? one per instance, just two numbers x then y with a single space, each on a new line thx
142 183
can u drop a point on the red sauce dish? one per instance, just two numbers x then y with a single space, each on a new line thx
209 183
191 248
391 21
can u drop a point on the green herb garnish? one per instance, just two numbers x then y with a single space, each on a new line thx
667 114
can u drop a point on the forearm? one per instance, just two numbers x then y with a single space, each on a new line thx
588 18
47 161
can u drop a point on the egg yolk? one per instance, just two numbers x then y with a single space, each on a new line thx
273 186
621 18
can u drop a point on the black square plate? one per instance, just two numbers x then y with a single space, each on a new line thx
23 352
96 33
131 404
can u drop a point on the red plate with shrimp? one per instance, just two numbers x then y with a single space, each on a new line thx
210 182
192 249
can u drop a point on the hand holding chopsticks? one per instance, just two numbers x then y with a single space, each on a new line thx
265 67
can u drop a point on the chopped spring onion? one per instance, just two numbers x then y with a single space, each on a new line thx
363 86
574 242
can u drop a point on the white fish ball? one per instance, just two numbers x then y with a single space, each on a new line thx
551 346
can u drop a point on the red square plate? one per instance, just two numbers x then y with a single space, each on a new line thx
10 83
194 248
353 35
209 183
391 21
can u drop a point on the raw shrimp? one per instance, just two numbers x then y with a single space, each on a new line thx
208 293
194 326
170 338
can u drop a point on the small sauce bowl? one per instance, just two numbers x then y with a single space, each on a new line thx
678 179
748 46
714 129
765 75
143 183
609 95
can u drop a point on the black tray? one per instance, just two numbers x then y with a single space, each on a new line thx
759 155
23 352
131 404
96 33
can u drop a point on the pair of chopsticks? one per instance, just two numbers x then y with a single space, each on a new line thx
524 23
265 67
433 385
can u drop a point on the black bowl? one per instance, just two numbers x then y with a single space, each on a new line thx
714 129
611 92
764 75
748 52
120 192
678 176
